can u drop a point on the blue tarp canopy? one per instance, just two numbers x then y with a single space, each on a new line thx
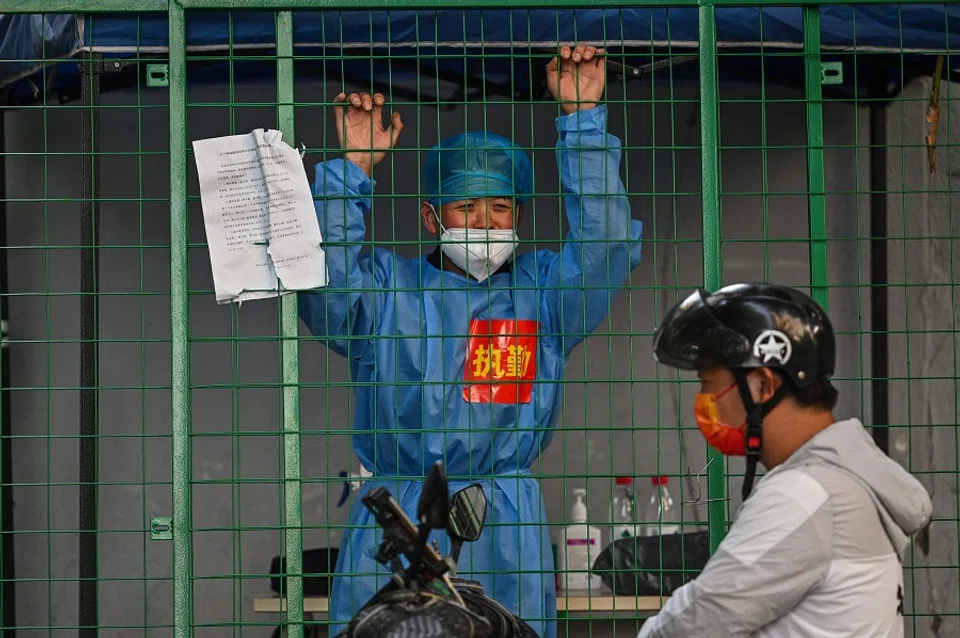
506 47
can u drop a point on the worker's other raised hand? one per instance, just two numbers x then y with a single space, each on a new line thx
576 78
360 129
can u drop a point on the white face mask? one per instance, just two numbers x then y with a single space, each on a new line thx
477 251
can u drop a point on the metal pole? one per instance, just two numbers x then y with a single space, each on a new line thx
8 621
179 327
816 175
879 312
89 337
712 243
289 350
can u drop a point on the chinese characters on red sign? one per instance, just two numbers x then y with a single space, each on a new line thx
501 361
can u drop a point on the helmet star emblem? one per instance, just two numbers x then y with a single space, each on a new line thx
772 345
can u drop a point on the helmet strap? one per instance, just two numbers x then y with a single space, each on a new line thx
756 412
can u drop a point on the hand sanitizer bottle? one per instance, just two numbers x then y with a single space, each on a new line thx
579 548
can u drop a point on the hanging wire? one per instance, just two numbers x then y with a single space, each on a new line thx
695 487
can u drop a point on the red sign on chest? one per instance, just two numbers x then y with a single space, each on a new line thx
501 361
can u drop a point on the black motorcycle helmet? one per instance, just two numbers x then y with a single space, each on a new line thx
745 326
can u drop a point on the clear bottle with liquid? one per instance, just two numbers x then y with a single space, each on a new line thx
623 510
661 516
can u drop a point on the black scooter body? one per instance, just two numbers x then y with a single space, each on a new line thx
423 600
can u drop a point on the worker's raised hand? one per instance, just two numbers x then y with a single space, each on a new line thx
577 77
360 128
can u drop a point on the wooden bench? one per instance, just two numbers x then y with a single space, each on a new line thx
565 604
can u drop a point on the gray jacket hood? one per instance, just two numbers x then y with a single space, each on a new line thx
902 501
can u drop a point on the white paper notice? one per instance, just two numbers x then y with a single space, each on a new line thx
258 211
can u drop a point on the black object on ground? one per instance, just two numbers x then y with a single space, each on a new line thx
318 564
633 567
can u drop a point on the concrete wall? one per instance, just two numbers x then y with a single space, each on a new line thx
923 213
621 413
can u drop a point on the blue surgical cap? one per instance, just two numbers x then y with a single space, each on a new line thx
473 165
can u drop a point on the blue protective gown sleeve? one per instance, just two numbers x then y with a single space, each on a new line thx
344 312
603 244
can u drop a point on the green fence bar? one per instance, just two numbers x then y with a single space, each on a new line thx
816 186
179 326
289 361
263 5
136 6
712 264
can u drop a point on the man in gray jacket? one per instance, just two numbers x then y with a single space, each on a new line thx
816 549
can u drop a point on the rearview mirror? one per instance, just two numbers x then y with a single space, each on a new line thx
433 508
468 510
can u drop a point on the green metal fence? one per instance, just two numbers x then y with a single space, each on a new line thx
210 437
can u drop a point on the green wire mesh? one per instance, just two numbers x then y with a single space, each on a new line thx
220 431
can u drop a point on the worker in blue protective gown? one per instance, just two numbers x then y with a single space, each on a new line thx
459 355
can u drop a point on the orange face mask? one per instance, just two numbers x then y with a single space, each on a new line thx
726 439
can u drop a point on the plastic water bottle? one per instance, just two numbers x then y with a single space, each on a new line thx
661 516
623 509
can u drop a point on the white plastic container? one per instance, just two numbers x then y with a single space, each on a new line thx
578 548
